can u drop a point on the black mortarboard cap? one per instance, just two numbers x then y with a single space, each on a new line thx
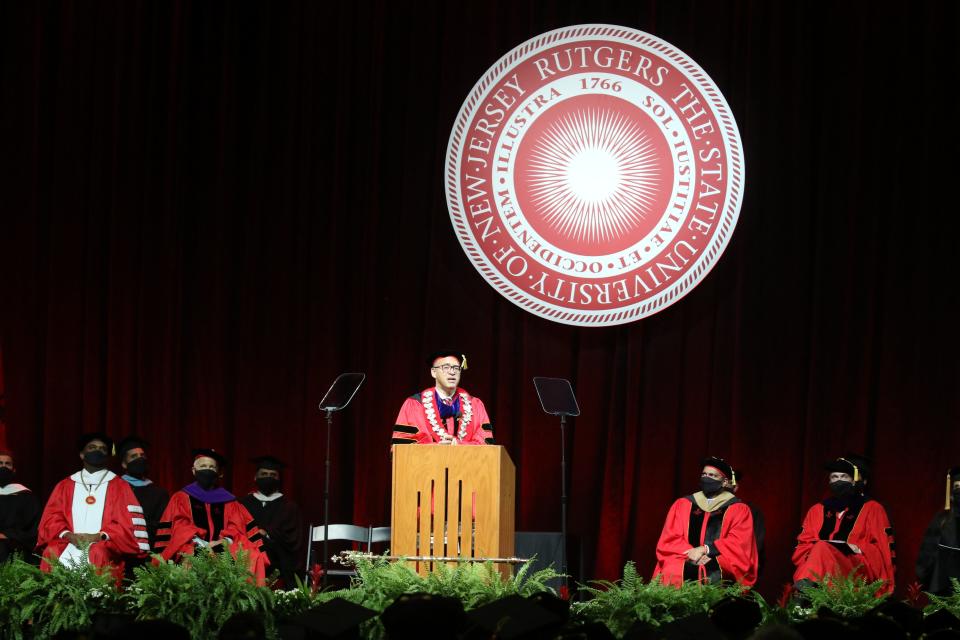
268 462
594 630
909 618
719 463
552 603
824 629
736 617
853 464
940 619
515 617
444 353
336 618
210 453
131 442
87 438
405 616
695 627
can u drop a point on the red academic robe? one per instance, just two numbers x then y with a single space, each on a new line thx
862 522
122 521
727 530
179 526
419 421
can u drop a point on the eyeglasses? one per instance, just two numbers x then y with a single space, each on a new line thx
448 368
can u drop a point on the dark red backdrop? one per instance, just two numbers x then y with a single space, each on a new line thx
211 209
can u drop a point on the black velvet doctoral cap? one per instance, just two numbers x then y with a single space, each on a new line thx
733 475
846 464
268 462
131 442
87 438
451 353
209 453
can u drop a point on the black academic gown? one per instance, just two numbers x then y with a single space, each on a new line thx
154 500
939 558
283 542
19 517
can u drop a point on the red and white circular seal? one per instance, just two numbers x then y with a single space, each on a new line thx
594 175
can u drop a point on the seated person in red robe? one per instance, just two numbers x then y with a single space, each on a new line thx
709 536
203 514
846 532
93 509
444 413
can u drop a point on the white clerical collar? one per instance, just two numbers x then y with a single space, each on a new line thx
13 488
84 476
270 498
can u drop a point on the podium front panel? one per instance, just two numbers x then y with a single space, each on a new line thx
451 500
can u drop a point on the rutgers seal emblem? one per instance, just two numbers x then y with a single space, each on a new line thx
594 175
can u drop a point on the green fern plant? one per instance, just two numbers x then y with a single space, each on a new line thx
64 599
13 574
200 594
847 596
951 602
619 604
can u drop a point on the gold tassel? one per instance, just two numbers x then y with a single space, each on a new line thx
949 487
856 470
733 477
463 362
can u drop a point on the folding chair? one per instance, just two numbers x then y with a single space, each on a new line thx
341 532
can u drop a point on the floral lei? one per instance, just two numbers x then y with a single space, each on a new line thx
426 397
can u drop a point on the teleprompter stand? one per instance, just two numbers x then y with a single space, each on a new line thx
338 396
557 399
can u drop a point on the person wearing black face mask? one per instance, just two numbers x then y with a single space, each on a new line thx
939 558
847 532
278 517
19 511
709 535
203 514
93 510
132 452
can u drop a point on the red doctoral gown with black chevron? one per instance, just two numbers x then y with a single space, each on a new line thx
822 544
419 420
727 529
209 515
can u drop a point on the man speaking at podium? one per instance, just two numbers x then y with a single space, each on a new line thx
443 413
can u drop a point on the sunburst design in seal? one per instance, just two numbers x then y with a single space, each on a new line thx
594 175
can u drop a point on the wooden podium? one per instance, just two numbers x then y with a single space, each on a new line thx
452 501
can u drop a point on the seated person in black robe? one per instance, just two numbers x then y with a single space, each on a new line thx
153 499
19 512
939 558
278 518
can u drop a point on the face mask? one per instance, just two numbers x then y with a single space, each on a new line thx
95 458
841 488
138 467
206 478
711 487
6 476
268 485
